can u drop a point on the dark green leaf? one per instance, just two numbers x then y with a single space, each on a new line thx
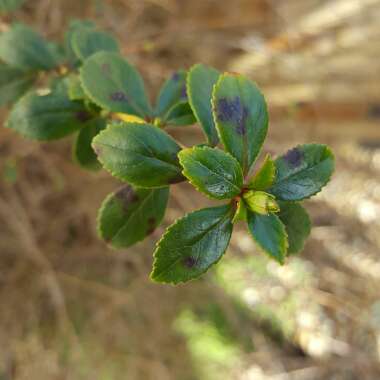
265 177
130 214
47 117
13 84
87 41
75 26
112 83
10 5
172 92
200 82
270 234
297 224
302 172
192 244
83 152
140 154
212 171
180 114
241 117
23 48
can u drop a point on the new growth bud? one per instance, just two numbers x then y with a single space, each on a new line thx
261 202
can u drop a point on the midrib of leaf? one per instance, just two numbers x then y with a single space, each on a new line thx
137 210
192 243
218 175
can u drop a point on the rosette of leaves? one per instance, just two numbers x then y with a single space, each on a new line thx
231 110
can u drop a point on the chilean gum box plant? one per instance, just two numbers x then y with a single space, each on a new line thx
85 86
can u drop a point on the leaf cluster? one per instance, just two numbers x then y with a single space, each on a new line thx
85 86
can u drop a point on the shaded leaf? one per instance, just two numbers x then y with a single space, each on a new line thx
130 214
212 171
302 172
83 152
192 244
200 82
140 154
87 41
179 115
297 224
172 92
112 83
23 48
13 84
241 117
74 88
47 117
269 233
265 176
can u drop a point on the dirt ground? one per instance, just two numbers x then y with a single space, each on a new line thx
72 308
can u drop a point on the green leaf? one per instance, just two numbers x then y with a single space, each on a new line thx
212 171
23 48
241 117
200 82
13 84
75 25
47 117
297 224
83 152
112 83
192 244
269 233
179 115
265 177
10 5
302 172
260 202
140 154
172 92
130 214
241 212
87 41
74 88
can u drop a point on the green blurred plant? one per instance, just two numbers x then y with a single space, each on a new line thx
95 92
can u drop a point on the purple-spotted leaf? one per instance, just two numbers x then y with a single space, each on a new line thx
192 244
200 82
212 171
140 154
172 92
265 177
47 117
130 214
302 172
114 84
241 117
270 234
297 224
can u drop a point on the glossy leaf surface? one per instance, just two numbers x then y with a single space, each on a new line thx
200 82
212 171
269 233
241 117
192 244
140 154
302 172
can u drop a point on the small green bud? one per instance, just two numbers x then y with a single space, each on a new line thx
261 202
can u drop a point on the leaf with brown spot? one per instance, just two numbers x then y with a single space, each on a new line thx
192 245
130 214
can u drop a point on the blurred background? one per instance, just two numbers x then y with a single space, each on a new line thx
72 308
